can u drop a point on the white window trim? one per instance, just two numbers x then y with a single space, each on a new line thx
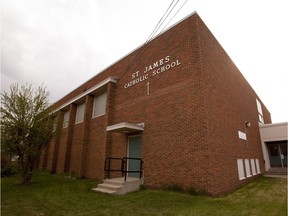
66 119
88 91
252 162
93 111
79 107
260 112
247 168
240 167
258 167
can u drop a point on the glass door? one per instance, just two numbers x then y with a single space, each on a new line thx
134 151
278 153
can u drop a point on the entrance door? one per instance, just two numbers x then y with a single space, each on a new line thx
134 151
277 154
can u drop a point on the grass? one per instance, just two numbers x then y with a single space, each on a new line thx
56 195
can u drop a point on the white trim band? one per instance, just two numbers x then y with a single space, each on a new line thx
97 86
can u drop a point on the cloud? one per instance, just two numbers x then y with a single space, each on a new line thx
63 43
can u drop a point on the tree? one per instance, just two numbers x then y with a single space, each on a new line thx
26 125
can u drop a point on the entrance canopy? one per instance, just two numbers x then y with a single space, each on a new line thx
126 127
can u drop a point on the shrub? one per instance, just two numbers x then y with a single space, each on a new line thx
8 170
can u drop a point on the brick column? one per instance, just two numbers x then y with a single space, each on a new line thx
87 118
109 116
60 117
72 116
45 156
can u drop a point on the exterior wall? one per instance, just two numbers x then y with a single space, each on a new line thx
271 133
49 155
62 151
230 101
172 141
192 113
76 148
97 148
274 132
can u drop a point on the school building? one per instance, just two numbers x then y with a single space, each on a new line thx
174 111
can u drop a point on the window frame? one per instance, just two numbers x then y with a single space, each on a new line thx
95 114
66 119
80 113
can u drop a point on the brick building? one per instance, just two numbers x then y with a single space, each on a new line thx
179 103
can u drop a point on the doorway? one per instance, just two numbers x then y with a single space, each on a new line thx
277 153
134 151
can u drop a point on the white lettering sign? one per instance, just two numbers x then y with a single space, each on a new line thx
152 70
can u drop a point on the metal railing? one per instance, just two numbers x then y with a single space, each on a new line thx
120 165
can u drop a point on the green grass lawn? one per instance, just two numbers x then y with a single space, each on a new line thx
56 195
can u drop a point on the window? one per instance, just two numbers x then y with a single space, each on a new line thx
55 121
99 105
247 168
80 113
66 119
240 169
260 112
252 161
257 166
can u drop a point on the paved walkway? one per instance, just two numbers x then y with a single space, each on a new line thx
276 176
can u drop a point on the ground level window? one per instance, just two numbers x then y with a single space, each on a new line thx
240 169
247 168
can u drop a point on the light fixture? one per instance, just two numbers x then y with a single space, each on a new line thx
247 124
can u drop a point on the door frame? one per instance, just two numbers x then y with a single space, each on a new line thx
128 138
277 144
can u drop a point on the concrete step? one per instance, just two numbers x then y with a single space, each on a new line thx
111 187
277 171
101 190
115 182
118 186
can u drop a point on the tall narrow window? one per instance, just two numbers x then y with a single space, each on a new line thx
247 168
252 162
80 113
99 105
240 169
66 119
260 112
55 121
257 166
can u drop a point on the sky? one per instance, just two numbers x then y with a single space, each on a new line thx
61 44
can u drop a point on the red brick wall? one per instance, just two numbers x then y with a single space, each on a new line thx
96 153
192 115
50 154
62 151
230 102
76 148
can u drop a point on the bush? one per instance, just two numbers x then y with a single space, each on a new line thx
8 170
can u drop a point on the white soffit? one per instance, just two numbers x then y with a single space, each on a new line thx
126 127
88 91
